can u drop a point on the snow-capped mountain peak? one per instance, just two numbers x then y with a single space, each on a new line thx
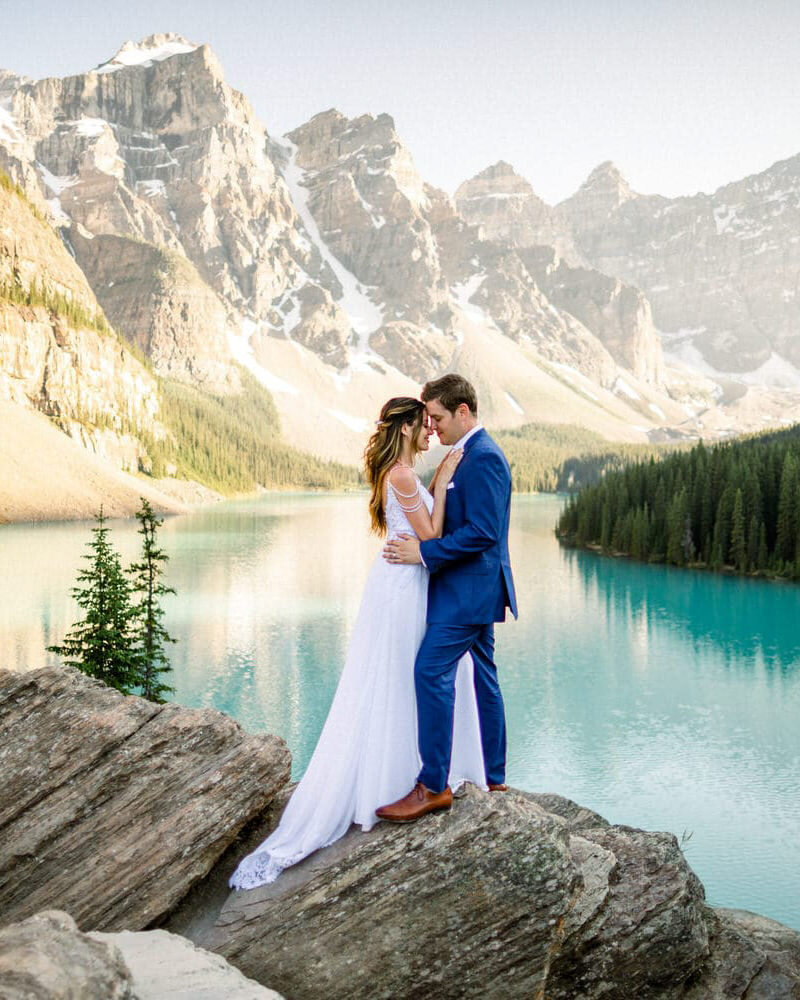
154 48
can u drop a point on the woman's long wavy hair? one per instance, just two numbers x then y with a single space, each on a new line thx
384 448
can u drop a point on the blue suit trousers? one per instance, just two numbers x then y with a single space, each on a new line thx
435 679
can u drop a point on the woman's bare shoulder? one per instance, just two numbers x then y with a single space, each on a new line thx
404 480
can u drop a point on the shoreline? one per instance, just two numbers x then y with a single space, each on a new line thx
47 477
175 492
696 567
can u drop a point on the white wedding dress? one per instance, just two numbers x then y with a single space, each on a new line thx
367 753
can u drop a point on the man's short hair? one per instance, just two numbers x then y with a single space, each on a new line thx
451 390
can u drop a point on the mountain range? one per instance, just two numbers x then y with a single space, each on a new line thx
147 192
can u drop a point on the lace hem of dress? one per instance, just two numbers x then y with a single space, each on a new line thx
260 869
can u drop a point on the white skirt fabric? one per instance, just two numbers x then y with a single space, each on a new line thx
367 752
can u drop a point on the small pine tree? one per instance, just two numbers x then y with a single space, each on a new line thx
150 634
101 644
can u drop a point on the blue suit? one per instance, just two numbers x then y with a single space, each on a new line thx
470 588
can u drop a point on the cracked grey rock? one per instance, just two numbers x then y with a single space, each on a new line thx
498 897
167 965
520 894
47 958
112 807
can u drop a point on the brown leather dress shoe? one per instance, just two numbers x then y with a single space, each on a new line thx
420 800
498 788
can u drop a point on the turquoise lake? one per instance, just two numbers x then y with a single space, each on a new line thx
660 698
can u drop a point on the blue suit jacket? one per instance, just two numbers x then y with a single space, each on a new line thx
471 582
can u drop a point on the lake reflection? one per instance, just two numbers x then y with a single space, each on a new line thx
661 698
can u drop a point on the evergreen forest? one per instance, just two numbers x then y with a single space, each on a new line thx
556 458
733 506
233 443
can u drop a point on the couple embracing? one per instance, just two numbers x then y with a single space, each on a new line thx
418 702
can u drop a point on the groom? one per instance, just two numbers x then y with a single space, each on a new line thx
470 588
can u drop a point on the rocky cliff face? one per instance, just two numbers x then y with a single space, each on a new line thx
167 311
603 192
720 270
154 146
603 310
368 205
56 353
506 208
618 313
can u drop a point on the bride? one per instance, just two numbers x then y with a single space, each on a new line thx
367 752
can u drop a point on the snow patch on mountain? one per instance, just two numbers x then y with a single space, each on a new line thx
56 184
151 189
357 424
132 54
377 220
463 292
514 404
576 378
9 129
725 218
242 351
91 127
775 373
622 386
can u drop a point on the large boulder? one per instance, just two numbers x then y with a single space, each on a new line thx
506 895
499 897
752 957
113 807
47 958
167 965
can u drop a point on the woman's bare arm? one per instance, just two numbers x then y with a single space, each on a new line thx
406 489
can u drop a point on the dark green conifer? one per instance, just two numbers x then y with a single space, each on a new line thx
738 546
786 526
150 634
763 551
752 543
676 528
605 527
101 644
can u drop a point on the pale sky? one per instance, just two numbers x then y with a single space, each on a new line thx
682 96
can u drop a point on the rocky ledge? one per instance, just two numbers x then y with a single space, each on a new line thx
508 895
111 807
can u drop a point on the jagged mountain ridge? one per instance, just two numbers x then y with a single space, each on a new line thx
720 270
325 264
